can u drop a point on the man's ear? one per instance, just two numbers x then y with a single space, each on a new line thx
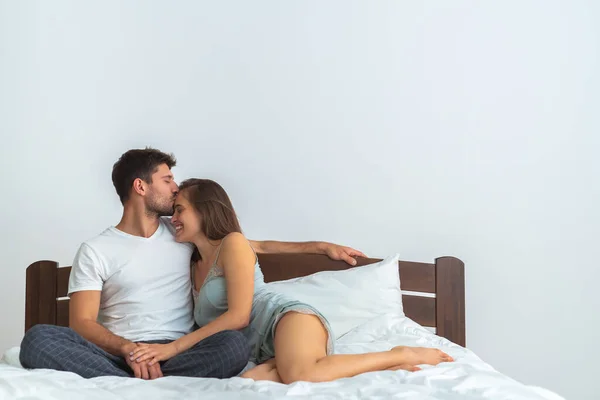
139 186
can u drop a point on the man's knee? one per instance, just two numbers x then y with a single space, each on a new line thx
237 348
236 342
38 334
35 343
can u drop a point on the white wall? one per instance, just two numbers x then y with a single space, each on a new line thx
454 128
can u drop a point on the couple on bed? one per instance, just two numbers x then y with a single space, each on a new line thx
136 310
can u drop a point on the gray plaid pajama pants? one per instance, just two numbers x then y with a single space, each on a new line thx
221 355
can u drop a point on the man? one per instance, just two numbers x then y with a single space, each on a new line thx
131 284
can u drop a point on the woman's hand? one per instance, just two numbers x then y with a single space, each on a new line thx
153 352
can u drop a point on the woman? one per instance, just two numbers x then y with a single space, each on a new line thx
292 339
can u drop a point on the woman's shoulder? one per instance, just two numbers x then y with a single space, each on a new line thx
235 239
236 245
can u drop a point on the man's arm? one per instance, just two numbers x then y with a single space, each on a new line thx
85 288
334 251
83 312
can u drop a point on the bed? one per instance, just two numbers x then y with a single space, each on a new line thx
433 315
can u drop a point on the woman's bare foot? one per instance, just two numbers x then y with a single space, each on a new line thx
420 355
406 367
266 371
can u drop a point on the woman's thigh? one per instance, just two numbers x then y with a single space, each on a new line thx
300 341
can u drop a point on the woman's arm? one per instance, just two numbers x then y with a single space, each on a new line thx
238 260
334 251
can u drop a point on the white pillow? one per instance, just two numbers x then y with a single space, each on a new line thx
350 297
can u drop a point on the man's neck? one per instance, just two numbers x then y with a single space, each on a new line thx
137 222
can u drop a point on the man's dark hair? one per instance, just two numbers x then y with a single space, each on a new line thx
138 163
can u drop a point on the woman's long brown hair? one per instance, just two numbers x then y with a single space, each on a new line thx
211 201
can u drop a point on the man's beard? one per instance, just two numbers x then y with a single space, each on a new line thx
158 208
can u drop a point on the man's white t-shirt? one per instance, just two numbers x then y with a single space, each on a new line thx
145 282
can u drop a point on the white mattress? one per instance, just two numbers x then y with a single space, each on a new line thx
466 378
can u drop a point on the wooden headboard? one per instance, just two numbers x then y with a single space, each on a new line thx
440 302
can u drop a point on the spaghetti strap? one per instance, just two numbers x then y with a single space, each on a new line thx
254 251
218 252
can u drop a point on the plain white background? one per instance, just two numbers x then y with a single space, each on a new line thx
458 128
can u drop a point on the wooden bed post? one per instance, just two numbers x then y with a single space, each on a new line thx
450 299
40 294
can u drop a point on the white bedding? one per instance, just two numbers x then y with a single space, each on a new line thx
467 378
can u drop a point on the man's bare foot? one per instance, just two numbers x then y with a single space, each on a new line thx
406 367
420 355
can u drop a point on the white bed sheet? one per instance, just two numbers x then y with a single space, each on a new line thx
466 378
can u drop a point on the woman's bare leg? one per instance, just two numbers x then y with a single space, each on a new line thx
300 353
406 367
266 371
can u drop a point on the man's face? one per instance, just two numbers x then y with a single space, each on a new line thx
162 192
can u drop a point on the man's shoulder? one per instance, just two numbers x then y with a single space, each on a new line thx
102 241
107 234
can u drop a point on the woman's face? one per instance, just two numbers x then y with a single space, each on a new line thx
186 220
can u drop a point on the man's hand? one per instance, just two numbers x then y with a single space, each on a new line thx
141 369
337 252
153 353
